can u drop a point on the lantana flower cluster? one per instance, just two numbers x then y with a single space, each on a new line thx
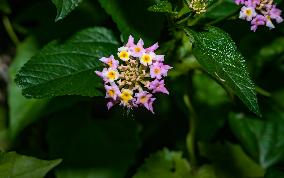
259 13
133 80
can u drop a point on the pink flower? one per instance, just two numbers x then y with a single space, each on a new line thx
252 3
145 99
259 12
112 91
158 86
110 61
268 22
138 50
110 104
238 2
257 21
101 74
275 13
159 58
130 42
110 75
157 70
152 48
127 81
247 13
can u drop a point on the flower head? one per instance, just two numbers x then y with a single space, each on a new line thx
198 6
132 80
260 13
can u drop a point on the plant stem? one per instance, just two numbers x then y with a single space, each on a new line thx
262 92
9 28
191 136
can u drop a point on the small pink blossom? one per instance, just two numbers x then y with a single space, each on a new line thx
152 48
158 86
275 13
157 70
110 61
110 104
112 91
238 2
130 42
145 99
138 50
247 13
268 22
252 3
258 21
159 58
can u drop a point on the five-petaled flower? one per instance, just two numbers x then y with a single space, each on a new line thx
132 80
259 13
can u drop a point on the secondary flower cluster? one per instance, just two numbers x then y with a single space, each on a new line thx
132 80
259 12
198 6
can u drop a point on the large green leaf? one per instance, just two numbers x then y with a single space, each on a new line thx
22 111
13 165
165 164
218 54
132 17
68 69
263 140
64 7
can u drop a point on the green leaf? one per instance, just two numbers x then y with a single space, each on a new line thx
217 53
210 96
208 91
263 139
22 111
163 7
89 147
229 160
64 7
68 69
132 18
165 164
13 165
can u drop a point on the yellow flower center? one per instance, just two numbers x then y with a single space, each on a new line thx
126 95
111 92
248 12
137 49
146 59
124 55
143 99
112 75
110 63
157 71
